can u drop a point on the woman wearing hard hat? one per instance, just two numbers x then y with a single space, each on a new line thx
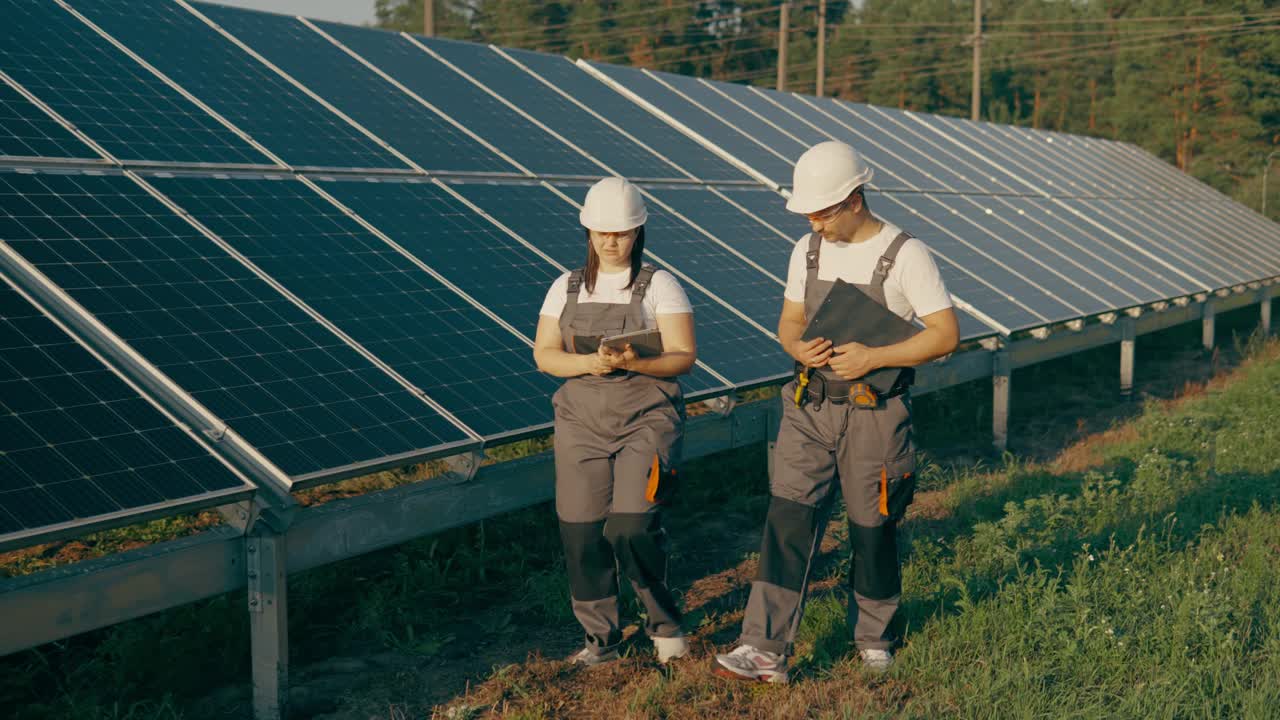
834 425
619 419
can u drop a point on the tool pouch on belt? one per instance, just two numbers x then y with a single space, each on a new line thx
897 486
662 483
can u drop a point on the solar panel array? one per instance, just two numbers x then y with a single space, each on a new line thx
335 240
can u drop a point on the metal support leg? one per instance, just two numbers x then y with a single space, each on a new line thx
1266 311
266 568
1208 324
1128 336
1000 398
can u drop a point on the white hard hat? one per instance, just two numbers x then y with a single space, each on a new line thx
826 174
613 205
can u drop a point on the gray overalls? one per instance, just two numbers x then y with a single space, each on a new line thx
871 452
617 439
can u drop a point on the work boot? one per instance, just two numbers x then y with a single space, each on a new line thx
748 663
876 660
591 656
669 649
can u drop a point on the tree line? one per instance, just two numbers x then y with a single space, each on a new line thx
1196 82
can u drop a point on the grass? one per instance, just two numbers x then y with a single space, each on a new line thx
1121 564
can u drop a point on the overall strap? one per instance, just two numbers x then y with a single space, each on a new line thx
811 260
635 313
570 310
888 259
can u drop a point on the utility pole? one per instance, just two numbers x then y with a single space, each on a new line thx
975 104
822 47
1266 166
783 29
429 18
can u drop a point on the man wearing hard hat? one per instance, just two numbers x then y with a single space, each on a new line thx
834 423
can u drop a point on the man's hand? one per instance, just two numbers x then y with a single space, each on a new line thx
853 360
813 353
595 364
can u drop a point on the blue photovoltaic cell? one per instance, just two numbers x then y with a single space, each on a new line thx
677 147
987 178
76 442
553 110
971 138
893 140
292 388
250 95
805 132
461 100
1239 253
985 227
729 345
469 251
112 99
27 131
757 241
1133 280
1058 154
476 369
1172 240
710 127
394 116
984 256
891 173
973 285
1143 242
1245 225
717 104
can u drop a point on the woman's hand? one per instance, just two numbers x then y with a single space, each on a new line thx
595 364
618 359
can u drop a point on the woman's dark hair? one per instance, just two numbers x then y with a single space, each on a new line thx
593 261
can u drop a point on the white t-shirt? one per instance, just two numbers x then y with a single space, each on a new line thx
664 296
914 286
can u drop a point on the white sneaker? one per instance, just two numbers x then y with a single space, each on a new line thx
669 649
591 657
876 660
748 663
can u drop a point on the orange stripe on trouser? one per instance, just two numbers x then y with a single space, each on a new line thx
651 490
884 491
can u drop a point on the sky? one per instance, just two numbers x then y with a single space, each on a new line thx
355 12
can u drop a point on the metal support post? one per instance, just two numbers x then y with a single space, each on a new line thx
1208 333
1129 333
266 570
1001 381
1266 311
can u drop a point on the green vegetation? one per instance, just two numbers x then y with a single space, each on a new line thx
1198 85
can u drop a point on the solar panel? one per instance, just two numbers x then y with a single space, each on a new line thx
1172 240
28 131
760 129
991 229
240 88
1132 282
970 137
78 445
891 172
758 241
1240 249
436 83
1141 241
769 162
891 138
411 128
115 101
733 347
483 261
609 104
554 110
476 369
1058 154
284 382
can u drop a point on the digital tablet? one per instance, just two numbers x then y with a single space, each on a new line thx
646 343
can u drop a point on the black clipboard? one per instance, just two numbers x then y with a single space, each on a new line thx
850 315
645 343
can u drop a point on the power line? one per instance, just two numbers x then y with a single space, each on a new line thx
496 38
